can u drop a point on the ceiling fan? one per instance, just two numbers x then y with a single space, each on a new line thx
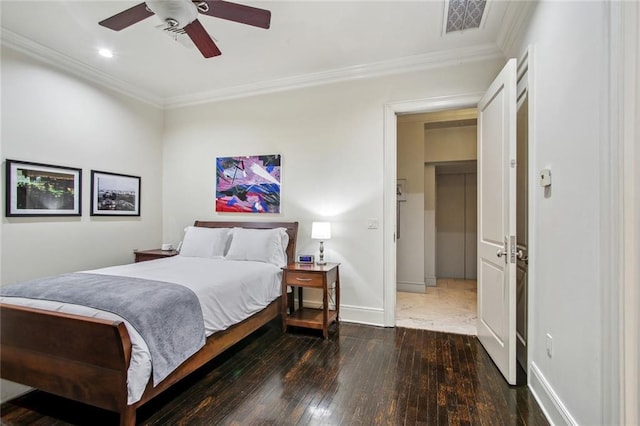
183 15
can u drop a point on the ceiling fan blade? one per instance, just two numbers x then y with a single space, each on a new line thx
126 18
238 13
201 39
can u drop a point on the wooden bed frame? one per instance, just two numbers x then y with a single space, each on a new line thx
86 359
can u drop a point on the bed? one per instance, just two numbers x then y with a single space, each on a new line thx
93 367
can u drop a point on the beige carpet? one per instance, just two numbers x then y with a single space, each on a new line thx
449 307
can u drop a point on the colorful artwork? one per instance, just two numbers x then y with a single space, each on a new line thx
248 184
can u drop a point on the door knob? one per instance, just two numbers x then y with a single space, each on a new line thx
501 253
520 255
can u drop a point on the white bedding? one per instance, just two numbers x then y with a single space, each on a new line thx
229 291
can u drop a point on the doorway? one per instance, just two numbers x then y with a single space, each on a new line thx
436 245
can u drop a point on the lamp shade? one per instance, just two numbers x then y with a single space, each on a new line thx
321 230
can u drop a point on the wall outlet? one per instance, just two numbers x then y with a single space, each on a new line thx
372 223
549 346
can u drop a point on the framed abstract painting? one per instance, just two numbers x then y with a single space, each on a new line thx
248 184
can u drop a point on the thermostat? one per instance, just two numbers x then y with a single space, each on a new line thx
304 258
545 177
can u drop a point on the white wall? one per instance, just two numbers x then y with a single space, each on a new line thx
410 244
51 117
457 143
331 140
569 122
430 225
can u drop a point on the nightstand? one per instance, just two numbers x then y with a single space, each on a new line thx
323 277
143 255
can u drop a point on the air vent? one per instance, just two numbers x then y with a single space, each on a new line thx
464 14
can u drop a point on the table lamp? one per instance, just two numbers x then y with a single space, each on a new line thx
321 231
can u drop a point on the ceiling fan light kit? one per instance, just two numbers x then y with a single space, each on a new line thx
183 15
175 13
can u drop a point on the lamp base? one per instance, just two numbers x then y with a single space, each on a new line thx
321 260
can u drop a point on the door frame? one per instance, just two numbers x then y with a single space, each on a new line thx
621 234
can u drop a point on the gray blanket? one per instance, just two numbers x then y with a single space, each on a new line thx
167 316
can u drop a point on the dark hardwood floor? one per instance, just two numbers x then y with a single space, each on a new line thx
361 375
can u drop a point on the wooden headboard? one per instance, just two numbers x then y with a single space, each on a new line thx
291 227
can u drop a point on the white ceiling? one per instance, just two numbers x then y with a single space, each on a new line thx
309 41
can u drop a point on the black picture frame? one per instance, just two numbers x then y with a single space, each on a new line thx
114 194
38 189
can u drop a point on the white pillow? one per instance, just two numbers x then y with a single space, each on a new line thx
205 242
260 245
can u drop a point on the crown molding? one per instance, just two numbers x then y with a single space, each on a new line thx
52 57
439 59
516 17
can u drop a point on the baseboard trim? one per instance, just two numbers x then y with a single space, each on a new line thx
410 287
431 281
11 390
550 403
355 314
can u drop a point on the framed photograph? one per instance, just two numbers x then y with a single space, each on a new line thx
114 194
34 189
248 184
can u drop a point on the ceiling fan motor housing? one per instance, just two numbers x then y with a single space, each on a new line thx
176 13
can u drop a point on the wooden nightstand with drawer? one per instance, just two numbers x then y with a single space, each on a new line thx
323 277
144 255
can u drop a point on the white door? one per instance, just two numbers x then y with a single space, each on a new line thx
497 221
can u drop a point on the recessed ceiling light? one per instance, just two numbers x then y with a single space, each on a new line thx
105 53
